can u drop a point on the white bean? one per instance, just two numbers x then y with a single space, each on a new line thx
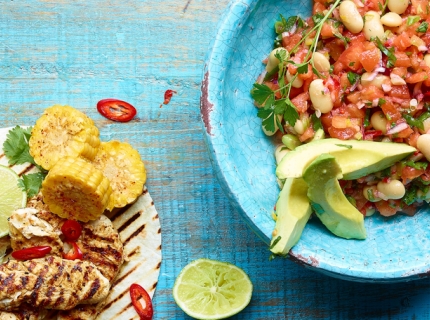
299 127
427 59
398 6
391 19
272 61
423 144
320 96
379 121
297 83
367 79
372 26
280 152
393 189
321 62
350 16
369 193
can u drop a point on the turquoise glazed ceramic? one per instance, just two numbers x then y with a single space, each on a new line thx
396 249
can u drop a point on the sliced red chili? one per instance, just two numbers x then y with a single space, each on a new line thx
168 95
31 253
137 293
74 253
71 229
116 110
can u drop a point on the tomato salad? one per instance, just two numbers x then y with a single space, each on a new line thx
355 70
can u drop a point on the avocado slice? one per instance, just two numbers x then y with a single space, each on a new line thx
293 210
355 158
328 201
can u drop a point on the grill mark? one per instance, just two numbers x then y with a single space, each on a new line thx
91 235
118 280
135 251
95 286
134 234
129 221
130 305
119 212
60 298
158 265
35 292
108 251
155 217
27 169
154 285
108 305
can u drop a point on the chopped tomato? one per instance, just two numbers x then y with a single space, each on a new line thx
391 112
402 41
385 208
308 134
342 134
301 102
370 57
409 173
291 41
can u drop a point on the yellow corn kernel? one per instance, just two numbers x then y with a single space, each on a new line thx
63 131
75 189
122 165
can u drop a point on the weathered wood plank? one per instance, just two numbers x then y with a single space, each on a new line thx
82 51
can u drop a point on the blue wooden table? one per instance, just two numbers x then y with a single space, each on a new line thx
79 52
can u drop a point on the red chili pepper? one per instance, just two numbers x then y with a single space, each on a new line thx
31 253
71 229
136 293
116 110
168 95
74 253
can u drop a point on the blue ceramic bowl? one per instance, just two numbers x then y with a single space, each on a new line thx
396 249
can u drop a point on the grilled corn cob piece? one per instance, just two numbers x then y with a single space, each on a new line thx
122 165
63 131
75 189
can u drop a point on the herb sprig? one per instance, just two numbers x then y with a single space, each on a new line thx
17 151
264 96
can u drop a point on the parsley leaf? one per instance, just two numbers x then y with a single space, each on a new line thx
389 52
260 93
291 114
303 68
318 17
316 122
352 77
16 146
423 27
31 183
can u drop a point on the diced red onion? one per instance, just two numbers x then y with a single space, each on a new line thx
261 77
398 128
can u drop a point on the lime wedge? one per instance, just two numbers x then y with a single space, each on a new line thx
11 197
210 289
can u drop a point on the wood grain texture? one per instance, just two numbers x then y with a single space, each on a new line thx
78 52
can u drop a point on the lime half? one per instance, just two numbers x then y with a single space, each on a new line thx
11 197
210 289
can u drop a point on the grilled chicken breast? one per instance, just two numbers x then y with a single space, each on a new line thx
29 227
51 282
99 243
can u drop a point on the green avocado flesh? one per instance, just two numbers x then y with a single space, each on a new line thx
293 210
355 158
328 201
